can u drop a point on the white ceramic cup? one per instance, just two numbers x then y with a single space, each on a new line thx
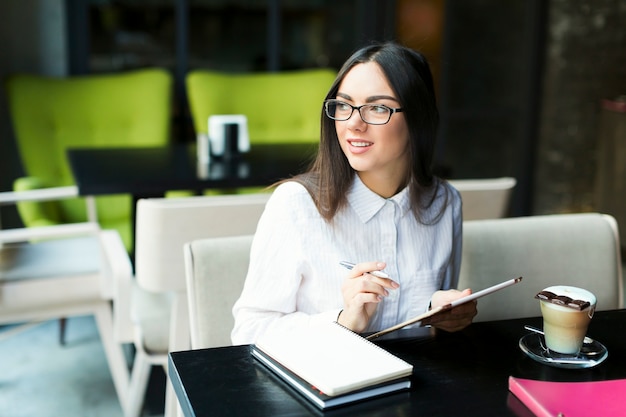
565 327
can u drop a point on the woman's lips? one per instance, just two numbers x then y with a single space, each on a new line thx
358 145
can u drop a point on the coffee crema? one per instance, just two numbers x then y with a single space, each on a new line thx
562 300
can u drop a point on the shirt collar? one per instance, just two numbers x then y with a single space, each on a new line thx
367 203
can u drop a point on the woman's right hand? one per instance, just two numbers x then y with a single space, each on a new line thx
362 292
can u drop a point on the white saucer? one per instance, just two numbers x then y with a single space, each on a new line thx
591 354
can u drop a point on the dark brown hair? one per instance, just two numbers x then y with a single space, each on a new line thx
409 76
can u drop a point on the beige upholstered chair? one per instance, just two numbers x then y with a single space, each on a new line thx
152 309
216 269
485 198
569 249
58 271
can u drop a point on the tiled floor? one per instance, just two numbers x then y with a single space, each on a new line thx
39 377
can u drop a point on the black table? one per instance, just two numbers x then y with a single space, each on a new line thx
455 374
150 172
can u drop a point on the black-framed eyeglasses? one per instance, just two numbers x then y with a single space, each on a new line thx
373 114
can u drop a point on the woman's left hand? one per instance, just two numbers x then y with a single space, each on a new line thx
454 319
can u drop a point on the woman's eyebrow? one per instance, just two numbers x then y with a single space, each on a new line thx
369 99
381 97
342 95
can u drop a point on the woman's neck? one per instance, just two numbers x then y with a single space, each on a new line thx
385 186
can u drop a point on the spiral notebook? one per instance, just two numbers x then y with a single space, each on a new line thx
331 365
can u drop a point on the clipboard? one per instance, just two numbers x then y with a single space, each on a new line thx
446 307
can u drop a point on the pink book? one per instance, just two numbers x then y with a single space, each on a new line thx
571 399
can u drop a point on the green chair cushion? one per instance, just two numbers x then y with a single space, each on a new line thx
281 107
50 115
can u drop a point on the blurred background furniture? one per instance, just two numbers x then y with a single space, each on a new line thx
216 270
56 271
50 115
281 107
561 249
487 198
150 172
151 310
610 183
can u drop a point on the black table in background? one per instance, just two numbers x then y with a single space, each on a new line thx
455 374
150 172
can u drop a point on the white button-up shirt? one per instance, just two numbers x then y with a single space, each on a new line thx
295 279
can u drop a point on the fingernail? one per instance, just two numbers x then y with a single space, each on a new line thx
395 284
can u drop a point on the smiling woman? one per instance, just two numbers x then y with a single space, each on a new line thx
376 151
370 197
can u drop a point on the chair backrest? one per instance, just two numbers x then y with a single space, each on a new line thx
280 106
564 249
216 269
50 115
485 198
164 225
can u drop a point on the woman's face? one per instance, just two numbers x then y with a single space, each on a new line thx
378 153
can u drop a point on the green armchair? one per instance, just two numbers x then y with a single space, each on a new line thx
281 107
50 115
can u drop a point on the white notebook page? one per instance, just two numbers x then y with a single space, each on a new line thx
332 358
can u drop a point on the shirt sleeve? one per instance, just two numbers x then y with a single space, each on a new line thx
277 265
452 271
451 278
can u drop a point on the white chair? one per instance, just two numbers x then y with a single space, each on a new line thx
562 249
216 270
485 198
61 271
152 309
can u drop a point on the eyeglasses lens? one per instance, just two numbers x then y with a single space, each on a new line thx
370 113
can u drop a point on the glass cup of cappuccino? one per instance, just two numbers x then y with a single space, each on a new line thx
566 313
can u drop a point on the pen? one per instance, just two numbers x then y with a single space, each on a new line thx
350 265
